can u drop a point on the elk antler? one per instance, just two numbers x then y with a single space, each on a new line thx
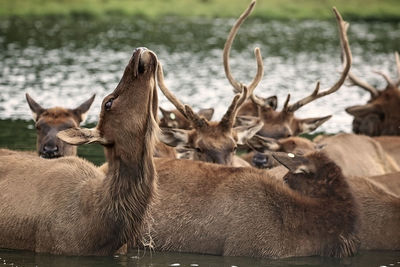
342 25
228 119
227 48
184 109
396 55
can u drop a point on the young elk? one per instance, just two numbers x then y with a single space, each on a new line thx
69 206
214 141
246 212
175 119
280 124
380 116
50 121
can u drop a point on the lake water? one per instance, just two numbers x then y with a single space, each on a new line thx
61 61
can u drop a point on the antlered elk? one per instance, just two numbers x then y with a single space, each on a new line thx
49 121
380 116
246 212
174 119
69 206
280 124
214 141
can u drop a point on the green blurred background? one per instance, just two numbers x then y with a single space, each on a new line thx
271 9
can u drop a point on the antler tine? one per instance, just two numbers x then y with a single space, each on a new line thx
168 94
342 25
357 81
396 55
185 110
385 76
285 105
228 119
227 49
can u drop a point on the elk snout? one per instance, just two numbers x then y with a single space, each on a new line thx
49 151
260 161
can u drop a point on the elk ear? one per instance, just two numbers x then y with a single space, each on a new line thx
81 111
79 136
207 113
263 144
295 164
309 125
362 110
174 137
245 133
35 107
271 101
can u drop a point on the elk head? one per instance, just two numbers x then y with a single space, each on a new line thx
380 116
210 141
49 121
126 130
174 119
278 124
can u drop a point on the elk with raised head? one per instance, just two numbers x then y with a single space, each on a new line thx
214 141
68 205
175 119
280 124
380 116
49 121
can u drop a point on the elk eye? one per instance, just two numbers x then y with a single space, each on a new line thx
198 149
108 104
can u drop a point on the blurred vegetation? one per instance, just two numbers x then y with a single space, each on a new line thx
269 9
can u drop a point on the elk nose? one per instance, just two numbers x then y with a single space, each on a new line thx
260 160
50 151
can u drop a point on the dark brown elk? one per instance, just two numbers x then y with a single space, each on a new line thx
380 116
280 124
357 155
212 209
68 205
175 119
49 121
214 141
379 207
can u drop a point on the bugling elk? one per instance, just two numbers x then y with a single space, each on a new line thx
214 141
69 206
380 116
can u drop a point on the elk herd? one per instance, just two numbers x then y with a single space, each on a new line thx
181 183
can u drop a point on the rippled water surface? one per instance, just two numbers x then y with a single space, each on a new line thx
63 61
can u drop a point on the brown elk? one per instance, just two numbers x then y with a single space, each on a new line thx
49 121
68 205
246 212
280 124
380 116
357 155
175 119
214 141
379 207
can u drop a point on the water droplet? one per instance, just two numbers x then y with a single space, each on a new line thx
194 264
175 264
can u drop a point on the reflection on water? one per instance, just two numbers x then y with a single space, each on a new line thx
61 61
155 259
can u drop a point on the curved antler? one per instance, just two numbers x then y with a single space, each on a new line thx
227 48
228 119
185 110
342 25
396 55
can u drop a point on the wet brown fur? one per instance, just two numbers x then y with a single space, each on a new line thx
69 206
246 212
